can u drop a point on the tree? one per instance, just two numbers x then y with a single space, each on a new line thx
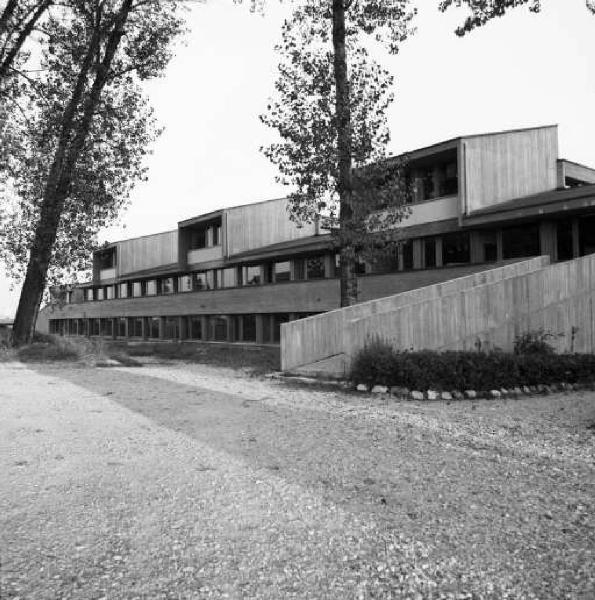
331 117
483 11
18 20
85 128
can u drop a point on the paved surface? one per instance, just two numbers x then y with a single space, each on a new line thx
185 481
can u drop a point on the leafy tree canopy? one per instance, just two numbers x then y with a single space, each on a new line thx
483 11
304 113
121 128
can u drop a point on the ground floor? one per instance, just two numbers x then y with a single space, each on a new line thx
251 328
189 481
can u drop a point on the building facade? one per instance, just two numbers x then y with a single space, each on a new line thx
236 274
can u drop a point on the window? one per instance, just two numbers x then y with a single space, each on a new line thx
89 295
407 250
282 271
216 235
137 289
198 238
429 253
248 324
94 326
195 328
167 285
136 327
185 283
204 280
451 180
277 321
219 328
586 235
99 294
252 275
268 272
299 269
123 290
106 259
521 241
315 267
151 287
121 327
455 249
153 323
228 277
172 329
110 292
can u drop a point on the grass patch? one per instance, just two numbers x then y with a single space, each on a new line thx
259 359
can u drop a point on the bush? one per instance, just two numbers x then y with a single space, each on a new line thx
534 342
380 364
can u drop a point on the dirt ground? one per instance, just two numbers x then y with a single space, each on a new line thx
192 481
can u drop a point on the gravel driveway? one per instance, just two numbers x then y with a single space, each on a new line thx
187 481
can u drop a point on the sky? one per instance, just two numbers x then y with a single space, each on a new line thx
519 71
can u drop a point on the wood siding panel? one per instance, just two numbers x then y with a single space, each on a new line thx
263 224
151 251
506 166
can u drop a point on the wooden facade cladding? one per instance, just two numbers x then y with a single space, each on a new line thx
429 211
204 255
147 252
503 166
263 224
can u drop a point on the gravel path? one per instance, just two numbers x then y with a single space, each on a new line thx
188 481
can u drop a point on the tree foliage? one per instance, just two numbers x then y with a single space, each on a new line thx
84 126
483 11
327 129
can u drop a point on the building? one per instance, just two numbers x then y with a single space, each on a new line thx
236 274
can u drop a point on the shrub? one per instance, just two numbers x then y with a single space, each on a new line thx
534 342
378 363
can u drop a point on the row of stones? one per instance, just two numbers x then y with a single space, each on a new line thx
516 392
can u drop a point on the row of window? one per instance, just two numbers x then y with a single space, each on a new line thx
297 270
422 253
263 328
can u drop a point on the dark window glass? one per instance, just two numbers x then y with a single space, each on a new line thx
521 241
277 321
196 328
299 269
451 179
137 327
429 253
198 238
586 235
171 330
564 239
455 249
407 255
153 327
266 328
315 267
248 328
219 327
268 273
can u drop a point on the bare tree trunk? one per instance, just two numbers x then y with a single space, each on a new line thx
60 177
345 186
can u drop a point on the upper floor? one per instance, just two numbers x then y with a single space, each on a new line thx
451 181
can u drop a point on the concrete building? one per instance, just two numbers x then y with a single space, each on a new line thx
236 274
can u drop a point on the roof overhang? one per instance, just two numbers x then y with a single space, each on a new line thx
554 204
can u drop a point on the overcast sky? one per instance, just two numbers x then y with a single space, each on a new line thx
519 71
